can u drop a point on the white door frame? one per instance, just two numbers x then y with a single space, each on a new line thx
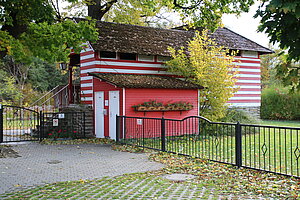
114 110
99 114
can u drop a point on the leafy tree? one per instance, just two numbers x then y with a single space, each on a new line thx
281 21
8 90
204 13
209 65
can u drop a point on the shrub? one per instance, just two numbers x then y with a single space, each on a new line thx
278 103
236 115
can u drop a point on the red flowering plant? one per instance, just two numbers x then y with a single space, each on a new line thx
62 133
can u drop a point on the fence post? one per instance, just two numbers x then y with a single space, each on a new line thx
84 124
1 123
41 131
118 128
238 144
163 134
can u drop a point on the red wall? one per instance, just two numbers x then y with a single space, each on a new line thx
138 96
103 86
151 128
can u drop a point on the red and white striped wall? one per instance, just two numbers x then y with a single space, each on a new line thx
248 76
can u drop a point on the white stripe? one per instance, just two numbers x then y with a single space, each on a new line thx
248 81
86 49
248 64
252 59
244 104
248 70
86 84
87 56
86 98
249 75
87 64
247 86
245 98
86 91
248 92
86 78
124 71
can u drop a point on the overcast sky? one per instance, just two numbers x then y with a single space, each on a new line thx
247 26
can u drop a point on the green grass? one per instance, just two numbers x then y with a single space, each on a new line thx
281 123
271 149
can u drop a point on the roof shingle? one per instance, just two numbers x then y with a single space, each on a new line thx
155 41
145 81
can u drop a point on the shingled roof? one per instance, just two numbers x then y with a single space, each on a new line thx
155 41
145 81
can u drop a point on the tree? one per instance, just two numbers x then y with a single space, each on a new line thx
207 64
281 21
205 13
37 29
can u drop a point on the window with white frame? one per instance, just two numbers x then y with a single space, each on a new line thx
143 57
163 58
251 54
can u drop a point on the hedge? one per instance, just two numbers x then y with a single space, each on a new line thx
280 104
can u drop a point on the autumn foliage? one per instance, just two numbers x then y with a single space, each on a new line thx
210 65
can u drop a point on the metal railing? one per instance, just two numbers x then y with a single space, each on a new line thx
55 99
268 148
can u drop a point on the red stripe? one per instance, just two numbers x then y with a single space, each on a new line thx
237 83
86 95
249 89
245 101
86 88
254 73
86 81
86 102
135 74
247 95
246 61
87 60
86 53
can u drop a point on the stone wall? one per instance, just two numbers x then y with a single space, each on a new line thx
253 111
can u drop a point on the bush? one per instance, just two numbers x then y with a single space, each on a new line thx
279 104
236 115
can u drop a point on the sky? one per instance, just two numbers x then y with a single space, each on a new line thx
247 26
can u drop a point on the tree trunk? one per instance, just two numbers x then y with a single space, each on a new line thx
97 11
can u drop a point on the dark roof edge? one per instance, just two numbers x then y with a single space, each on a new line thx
102 79
271 51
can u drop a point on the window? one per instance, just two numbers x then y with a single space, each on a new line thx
251 54
163 58
143 57
127 56
108 55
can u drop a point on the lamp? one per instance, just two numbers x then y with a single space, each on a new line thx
63 66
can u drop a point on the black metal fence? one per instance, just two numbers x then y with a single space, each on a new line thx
18 124
268 148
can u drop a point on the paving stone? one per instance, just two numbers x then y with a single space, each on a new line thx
39 164
179 177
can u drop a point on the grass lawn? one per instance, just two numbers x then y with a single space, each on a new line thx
212 181
281 123
267 148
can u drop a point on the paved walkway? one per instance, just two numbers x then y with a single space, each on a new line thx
40 164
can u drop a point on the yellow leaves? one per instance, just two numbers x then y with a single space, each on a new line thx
210 65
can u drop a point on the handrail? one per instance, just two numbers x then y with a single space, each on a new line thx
56 93
34 103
